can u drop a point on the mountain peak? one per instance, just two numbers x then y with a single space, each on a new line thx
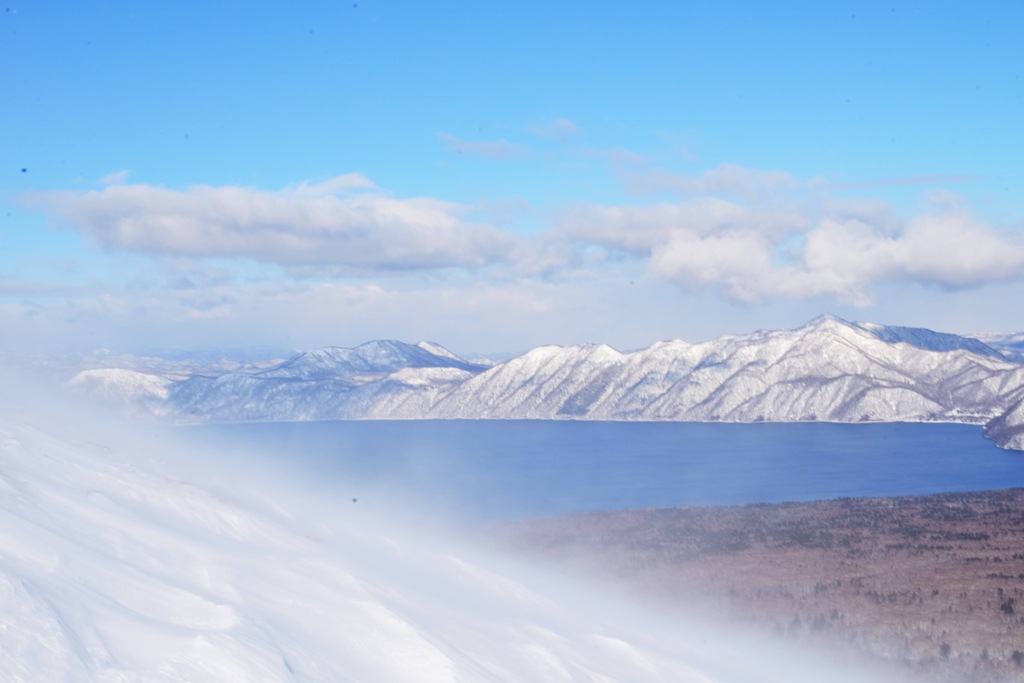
828 369
373 357
920 337
828 320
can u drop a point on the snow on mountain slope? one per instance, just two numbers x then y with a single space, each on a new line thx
826 370
436 349
130 390
546 382
324 384
115 566
371 358
1007 430
1010 345
829 369
928 339
410 393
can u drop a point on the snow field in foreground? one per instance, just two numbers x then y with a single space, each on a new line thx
114 569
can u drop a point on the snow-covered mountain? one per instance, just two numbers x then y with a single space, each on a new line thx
1007 430
369 360
1010 345
116 566
828 370
325 384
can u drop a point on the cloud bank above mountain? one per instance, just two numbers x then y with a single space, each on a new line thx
743 236
345 222
740 231
755 235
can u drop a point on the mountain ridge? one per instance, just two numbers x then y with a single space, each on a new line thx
828 369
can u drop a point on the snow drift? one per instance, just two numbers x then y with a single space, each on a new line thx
126 558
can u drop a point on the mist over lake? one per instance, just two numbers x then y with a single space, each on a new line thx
498 470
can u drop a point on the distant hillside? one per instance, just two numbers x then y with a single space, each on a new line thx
827 370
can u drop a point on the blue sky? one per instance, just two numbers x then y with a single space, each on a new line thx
495 176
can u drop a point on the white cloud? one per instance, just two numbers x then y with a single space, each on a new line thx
949 249
843 249
954 249
222 261
642 229
344 223
880 215
739 261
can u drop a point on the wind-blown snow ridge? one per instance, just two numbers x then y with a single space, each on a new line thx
828 369
114 569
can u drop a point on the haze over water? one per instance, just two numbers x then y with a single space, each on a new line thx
488 470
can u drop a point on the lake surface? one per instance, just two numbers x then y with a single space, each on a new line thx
489 470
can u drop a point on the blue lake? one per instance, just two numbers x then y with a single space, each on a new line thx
487 470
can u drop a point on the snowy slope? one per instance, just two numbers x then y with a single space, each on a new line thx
1010 345
539 384
1007 430
133 391
114 566
324 384
928 339
369 359
829 369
